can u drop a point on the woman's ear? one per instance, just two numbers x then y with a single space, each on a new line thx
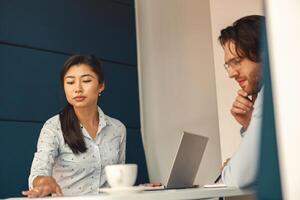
101 87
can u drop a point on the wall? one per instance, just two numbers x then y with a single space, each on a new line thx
177 83
223 14
35 39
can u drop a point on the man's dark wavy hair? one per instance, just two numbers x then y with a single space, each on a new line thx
245 34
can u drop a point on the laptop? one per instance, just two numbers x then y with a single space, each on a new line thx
186 162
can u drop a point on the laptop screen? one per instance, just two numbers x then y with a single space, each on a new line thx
187 161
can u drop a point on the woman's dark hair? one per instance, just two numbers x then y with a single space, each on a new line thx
69 122
245 34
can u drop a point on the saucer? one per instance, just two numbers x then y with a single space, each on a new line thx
122 190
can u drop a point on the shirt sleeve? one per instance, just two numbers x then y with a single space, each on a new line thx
241 170
122 157
47 150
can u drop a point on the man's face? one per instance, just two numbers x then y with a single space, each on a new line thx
247 73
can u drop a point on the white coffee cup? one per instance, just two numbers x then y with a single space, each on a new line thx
122 175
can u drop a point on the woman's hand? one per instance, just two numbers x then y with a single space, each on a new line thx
155 184
43 186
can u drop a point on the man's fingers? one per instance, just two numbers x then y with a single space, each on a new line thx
241 106
237 111
244 101
243 93
225 163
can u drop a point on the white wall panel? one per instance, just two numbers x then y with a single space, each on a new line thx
177 82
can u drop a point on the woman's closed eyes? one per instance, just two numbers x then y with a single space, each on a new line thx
72 82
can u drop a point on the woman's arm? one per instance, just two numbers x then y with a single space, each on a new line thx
41 183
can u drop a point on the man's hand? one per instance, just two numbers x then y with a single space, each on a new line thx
43 186
242 108
225 163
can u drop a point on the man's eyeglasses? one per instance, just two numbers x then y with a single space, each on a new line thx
233 63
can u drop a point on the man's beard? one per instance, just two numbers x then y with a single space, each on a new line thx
255 86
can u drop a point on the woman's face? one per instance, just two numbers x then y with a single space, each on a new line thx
81 86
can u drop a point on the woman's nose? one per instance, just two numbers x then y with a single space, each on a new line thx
78 88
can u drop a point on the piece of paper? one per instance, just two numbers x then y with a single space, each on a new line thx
215 186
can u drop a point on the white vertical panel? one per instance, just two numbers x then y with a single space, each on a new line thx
283 23
177 82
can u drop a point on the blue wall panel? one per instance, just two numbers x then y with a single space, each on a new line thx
29 83
104 27
120 98
31 89
135 151
18 144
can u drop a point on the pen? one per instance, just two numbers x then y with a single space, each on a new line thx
217 179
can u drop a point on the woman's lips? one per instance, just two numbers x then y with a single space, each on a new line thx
79 98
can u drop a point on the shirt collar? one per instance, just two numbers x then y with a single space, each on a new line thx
102 119
103 122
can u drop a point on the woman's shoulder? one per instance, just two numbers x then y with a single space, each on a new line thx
115 122
51 130
53 123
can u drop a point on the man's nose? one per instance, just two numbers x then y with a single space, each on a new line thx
232 73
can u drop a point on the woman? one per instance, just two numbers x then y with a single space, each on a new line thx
76 145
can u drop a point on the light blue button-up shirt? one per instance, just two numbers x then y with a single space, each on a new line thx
241 170
82 173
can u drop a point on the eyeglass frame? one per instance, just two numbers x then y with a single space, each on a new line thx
233 63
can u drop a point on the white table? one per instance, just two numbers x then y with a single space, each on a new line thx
195 193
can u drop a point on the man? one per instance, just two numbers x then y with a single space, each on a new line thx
242 54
